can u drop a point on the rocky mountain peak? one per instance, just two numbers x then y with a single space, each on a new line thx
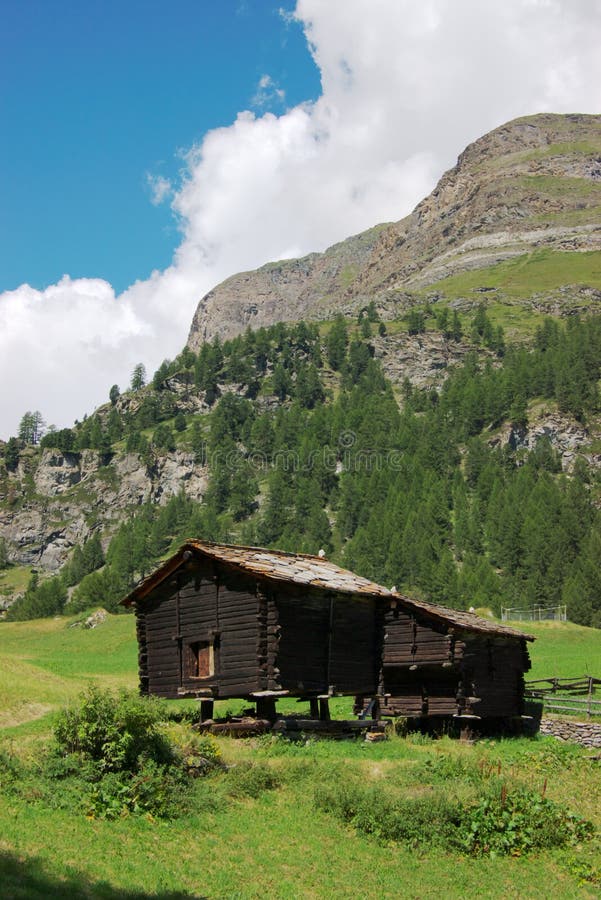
532 183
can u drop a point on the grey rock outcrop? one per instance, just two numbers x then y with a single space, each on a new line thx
566 436
68 495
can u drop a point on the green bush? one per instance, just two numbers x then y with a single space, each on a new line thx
517 822
124 758
498 823
113 732
414 821
11 771
154 790
197 753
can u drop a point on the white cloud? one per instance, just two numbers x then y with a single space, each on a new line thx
268 93
160 188
405 86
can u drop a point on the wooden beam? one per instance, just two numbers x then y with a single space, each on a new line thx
266 708
324 709
206 710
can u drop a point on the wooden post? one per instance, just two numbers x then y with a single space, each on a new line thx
466 732
206 710
324 709
314 705
266 708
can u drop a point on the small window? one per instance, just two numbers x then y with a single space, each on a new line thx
200 659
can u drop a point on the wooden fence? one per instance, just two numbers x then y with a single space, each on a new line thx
571 695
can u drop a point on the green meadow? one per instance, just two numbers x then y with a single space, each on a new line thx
276 839
530 273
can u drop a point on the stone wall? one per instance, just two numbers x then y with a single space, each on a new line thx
586 733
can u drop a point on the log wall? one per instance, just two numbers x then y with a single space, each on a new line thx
355 646
492 676
302 641
420 666
262 637
205 606
326 642
431 669
208 630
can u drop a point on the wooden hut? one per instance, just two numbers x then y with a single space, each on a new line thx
218 621
442 663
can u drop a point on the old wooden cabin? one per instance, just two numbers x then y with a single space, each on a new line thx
440 663
218 621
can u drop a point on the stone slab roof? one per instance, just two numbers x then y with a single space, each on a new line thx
315 572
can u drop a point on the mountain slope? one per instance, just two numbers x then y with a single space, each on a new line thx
531 185
452 450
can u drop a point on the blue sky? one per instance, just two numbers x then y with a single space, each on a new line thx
152 148
96 95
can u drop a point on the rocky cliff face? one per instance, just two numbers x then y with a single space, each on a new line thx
533 183
286 291
56 501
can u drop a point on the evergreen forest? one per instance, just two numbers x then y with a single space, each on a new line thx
308 446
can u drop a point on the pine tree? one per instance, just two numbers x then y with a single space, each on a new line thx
336 343
138 377
31 427
281 383
416 321
199 447
11 454
456 329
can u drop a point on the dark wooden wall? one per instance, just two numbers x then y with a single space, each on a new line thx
430 668
203 603
493 674
356 645
266 636
301 651
326 642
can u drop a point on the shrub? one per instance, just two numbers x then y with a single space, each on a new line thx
10 771
421 820
499 823
125 758
113 732
154 789
517 822
197 753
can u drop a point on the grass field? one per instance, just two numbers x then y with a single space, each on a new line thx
14 580
277 844
563 650
44 664
525 275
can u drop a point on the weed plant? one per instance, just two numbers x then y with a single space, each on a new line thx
499 821
421 821
251 780
517 822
